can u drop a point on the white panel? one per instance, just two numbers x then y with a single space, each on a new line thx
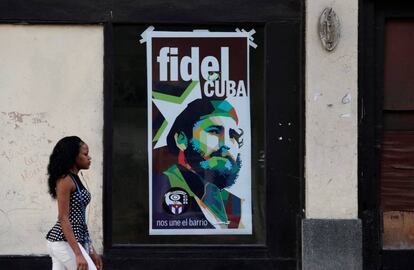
331 115
51 85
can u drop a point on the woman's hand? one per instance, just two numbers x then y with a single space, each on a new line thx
81 263
97 260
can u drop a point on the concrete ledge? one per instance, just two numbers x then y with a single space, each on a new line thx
331 244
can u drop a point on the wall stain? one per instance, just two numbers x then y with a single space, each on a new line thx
17 117
5 222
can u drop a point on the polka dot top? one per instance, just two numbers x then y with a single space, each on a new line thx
77 205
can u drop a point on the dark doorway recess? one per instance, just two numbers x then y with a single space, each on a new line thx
386 156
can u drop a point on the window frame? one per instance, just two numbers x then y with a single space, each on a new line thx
283 208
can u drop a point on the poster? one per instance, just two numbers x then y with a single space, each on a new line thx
199 146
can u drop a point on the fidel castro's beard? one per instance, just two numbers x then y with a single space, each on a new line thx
222 177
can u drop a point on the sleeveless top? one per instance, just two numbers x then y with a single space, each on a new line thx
77 206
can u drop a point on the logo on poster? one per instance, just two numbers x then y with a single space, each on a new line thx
188 68
176 201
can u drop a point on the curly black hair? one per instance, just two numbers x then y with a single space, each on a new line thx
62 160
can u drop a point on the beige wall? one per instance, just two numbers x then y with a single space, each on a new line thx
51 85
331 122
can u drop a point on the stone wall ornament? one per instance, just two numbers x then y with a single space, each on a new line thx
329 29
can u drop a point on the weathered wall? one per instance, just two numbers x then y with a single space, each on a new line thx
51 85
331 115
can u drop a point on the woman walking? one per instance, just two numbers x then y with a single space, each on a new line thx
68 242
